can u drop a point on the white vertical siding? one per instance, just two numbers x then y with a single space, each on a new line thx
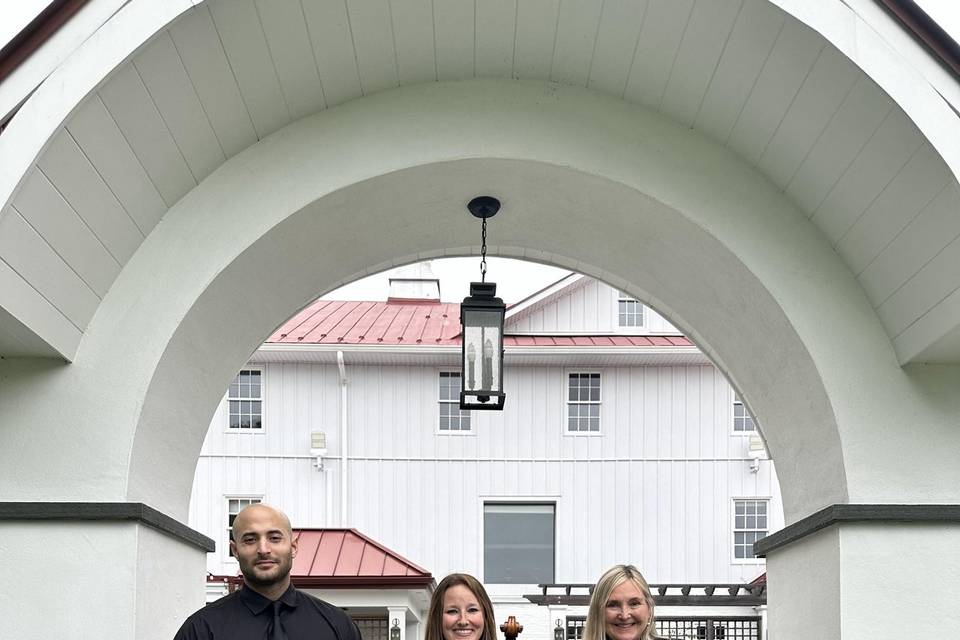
589 308
654 487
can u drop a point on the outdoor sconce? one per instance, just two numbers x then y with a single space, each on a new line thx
558 630
481 320
395 630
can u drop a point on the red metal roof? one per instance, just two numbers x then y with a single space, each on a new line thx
347 558
335 322
422 323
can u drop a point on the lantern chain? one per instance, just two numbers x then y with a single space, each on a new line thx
483 252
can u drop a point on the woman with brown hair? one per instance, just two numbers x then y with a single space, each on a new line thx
460 609
621 607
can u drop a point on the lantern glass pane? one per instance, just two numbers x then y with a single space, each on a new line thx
483 343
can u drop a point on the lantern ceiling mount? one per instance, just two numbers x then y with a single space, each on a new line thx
484 207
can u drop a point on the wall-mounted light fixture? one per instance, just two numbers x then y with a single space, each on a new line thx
318 447
481 320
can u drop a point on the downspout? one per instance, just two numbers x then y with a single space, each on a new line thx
328 493
343 438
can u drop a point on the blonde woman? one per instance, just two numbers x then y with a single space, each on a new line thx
621 607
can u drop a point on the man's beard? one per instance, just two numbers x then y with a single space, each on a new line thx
282 570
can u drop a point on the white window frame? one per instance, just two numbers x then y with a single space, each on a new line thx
737 402
440 401
622 296
551 499
567 402
225 527
734 530
262 399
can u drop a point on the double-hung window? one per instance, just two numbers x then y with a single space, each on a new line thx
583 402
452 418
234 507
742 421
629 311
749 525
245 400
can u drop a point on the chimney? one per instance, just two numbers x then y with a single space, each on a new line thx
414 284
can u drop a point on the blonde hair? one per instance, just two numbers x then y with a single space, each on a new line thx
434 629
595 628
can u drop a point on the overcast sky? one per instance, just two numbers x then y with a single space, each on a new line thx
515 279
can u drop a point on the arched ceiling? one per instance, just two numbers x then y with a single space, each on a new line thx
227 73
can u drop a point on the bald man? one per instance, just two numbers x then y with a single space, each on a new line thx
267 607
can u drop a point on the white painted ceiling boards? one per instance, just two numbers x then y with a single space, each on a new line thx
227 73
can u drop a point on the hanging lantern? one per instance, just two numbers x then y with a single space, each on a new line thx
481 320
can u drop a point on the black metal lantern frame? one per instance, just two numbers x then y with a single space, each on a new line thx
481 329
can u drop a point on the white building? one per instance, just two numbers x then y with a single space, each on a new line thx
619 442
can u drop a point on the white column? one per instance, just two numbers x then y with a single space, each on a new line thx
866 581
557 612
762 612
398 616
88 579
414 631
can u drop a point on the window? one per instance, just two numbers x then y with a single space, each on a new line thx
629 311
583 403
742 422
749 525
709 628
235 506
451 417
518 543
373 628
245 398
575 625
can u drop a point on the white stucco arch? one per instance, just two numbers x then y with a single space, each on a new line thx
382 180
290 218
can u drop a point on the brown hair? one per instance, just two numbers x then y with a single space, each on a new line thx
435 616
595 628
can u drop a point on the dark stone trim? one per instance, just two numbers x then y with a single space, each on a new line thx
923 28
842 513
109 511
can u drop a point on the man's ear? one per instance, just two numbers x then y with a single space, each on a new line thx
293 547
233 548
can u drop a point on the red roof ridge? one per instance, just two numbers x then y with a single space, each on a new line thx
414 301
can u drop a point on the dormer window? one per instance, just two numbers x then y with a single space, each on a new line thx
629 311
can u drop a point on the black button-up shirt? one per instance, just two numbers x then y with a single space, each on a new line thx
247 615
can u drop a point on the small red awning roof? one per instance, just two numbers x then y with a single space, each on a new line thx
347 558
